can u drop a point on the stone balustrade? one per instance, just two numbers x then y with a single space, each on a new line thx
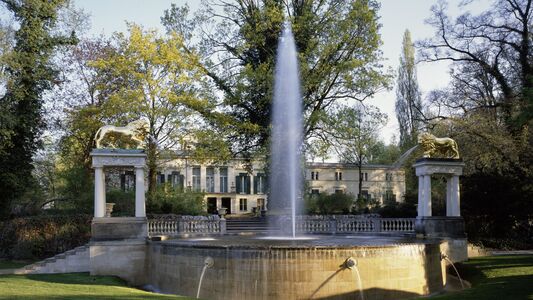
325 224
353 224
177 225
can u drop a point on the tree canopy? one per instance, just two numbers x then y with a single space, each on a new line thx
408 97
29 74
339 57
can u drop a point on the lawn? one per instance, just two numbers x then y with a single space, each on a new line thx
496 277
71 286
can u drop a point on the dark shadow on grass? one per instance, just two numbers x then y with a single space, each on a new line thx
372 293
77 278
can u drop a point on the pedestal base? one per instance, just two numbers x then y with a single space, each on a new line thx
113 229
453 227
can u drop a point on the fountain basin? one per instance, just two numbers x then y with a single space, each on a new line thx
253 268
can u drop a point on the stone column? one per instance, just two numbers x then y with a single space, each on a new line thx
427 196
449 204
140 208
203 177
421 195
231 178
216 177
454 197
252 184
99 192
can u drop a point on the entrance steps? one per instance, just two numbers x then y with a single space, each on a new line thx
248 225
72 261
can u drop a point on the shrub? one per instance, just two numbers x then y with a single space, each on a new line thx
124 202
337 203
169 200
43 236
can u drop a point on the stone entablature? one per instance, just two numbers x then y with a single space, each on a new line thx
118 158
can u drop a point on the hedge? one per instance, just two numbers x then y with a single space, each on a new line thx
43 236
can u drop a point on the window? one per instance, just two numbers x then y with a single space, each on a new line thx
365 194
243 204
261 203
210 180
127 181
260 183
364 176
196 179
160 179
339 191
388 176
390 197
338 176
243 183
224 180
312 175
176 179
315 192
316 175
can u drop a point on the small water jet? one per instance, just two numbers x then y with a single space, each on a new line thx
351 264
208 263
445 257
401 160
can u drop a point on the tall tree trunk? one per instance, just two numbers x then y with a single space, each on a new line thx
152 169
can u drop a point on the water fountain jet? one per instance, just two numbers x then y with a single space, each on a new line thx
287 128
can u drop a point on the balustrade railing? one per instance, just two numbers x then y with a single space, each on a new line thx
174 226
327 224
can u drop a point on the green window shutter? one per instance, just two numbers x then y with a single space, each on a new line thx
247 189
238 184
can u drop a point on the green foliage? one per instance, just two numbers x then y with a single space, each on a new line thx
158 79
327 204
124 202
408 97
338 44
169 200
406 209
380 153
43 236
29 74
76 189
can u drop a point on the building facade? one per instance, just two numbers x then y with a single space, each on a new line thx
382 183
241 186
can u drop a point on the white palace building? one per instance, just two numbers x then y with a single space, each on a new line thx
241 186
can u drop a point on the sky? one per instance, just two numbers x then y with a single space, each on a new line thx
108 16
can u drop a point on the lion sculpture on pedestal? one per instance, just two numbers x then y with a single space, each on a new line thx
438 147
129 136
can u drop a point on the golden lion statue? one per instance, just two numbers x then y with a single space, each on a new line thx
438 147
129 136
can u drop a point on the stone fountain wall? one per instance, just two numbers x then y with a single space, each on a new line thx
387 272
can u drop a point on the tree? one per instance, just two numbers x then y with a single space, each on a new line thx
354 132
157 79
408 100
487 108
492 56
339 58
29 74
